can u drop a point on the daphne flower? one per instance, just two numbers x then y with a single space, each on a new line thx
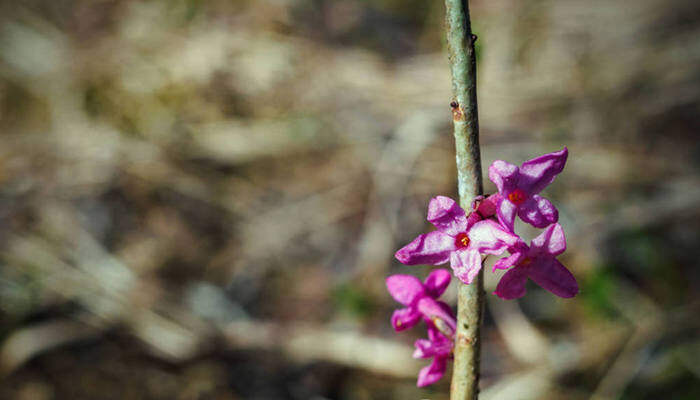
439 347
458 239
420 300
537 262
519 188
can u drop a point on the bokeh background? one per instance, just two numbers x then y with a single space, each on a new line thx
201 199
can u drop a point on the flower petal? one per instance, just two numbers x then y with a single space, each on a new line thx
404 288
432 310
404 318
433 372
488 206
512 284
437 345
512 260
429 248
551 241
506 214
466 264
538 212
553 276
504 175
539 172
436 282
424 349
447 215
473 218
443 346
433 334
489 237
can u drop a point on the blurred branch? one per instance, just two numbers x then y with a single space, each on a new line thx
523 339
29 342
389 188
648 322
306 343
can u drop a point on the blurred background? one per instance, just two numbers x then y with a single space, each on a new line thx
201 199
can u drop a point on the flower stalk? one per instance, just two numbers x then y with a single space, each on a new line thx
462 59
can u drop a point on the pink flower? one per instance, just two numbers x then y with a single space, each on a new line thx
420 300
437 346
539 263
519 188
458 239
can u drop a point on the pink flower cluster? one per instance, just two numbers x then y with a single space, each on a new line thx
462 239
420 299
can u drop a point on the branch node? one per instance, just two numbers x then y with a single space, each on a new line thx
457 113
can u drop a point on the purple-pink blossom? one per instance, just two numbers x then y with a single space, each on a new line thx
421 301
519 188
459 238
463 239
539 263
438 347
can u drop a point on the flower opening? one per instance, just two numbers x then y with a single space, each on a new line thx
517 197
462 240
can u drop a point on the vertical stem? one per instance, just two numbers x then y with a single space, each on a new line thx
460 47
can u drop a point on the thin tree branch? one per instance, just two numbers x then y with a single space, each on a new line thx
460 47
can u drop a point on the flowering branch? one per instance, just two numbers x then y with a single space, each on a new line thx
462 57
481 226
464 238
